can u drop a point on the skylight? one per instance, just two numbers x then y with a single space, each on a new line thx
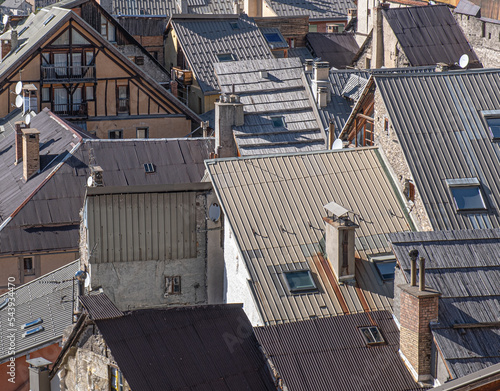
492 118
372 335
149 168
386 266
466 193
273 37
300 281
225 57
33 331
4 303
48 19
234 25
32 323
278 122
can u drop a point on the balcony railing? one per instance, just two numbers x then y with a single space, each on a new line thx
53 73
74 110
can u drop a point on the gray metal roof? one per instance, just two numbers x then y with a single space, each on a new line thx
168 8
274 37
50 219
338 49
143 26
281 199
464 266
488 10
467 7
14 4
301 53
201 39
437 119
187 348
317 10
282 93
50 298
429 35
331 354
99 307
56 139
354 87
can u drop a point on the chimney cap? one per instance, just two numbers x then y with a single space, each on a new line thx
336 209
322 64
38 362
30 131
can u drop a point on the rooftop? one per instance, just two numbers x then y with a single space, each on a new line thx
47 300
429 35
204 39
283 94
487 10
336 347
338 49
280 227
317 10
460 103
463 266
167 8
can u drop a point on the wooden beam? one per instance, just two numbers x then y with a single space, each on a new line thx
365 117
475 325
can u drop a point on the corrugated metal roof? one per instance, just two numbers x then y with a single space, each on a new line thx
301 53
50 219
443 136
168 8
281 199
317 10
282 93
331 354
487 9
187 348
338 49
464 266
50 298
99 307
201 39
143 26
467 7
354 87
429 35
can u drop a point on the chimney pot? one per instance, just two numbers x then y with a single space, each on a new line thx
413 256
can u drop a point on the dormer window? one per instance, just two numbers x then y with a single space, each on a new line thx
466 194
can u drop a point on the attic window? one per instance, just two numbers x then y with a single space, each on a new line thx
300 281
149 168
33 331
466 193
234 25
47 21
225 57
4 303
23 30
386 266
372 335
278 122
273 37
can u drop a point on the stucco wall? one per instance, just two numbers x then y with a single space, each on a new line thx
486 47
236 278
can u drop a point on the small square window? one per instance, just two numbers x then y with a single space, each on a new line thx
278 122
300 281
29 268
372 335
149 168
142 132
139 60
172 285
115 134
225 57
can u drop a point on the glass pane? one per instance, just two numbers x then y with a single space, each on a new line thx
89 57
468 198
494 125
278 122
89 93
122 92
63 39
386 269
301 280
273 37
78 39
45 94
377 337
225 57
61 63
60 96
111 33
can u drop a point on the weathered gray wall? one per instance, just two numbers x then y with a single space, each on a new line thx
150 67
487 47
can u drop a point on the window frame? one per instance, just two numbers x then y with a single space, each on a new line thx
120 132
298 290
370 329
29 271
281 118
384 259
146 131
173 285
119 99
220 55
115 373
492 115
466 183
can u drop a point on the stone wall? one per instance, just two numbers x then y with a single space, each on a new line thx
393 155
484 38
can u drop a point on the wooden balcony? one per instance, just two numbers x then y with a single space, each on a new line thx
79 110
183 76
66 74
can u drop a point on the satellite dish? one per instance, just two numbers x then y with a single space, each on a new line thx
464 61
19 87
19 101
90 182
338 144
214 212
27 119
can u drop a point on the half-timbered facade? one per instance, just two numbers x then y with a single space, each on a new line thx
68 67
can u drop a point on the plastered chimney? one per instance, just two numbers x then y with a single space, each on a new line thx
419 307
321 71
253 8
39 374
13 40
31 152
339 242
322 97
308 65
228 113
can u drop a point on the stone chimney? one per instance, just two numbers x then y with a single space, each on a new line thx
378 35
253 8
339 242
5 48
182 6
39 374
419 307
13 40
31 152
237 7
228 113
18 141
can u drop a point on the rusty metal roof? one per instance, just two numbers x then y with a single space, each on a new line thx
274 205
187 348
99 307
331 354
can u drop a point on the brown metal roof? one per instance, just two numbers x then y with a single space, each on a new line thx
99 307
281 199
331 354
187 348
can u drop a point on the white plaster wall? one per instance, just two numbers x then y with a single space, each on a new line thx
236 288
215 255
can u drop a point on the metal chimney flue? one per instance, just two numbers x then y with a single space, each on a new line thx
413 256
421 274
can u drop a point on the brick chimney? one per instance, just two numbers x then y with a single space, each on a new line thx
18 141
419 307
339 241
31 152
228 113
